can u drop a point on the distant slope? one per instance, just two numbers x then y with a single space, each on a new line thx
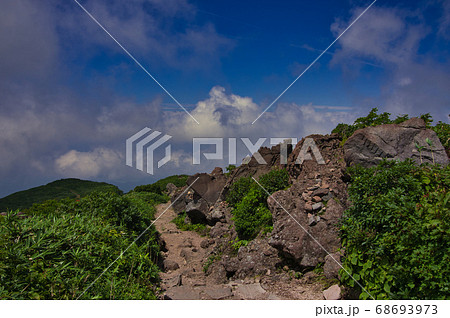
65 188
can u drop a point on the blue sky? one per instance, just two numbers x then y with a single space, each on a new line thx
70 96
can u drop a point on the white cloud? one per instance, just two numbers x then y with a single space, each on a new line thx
414 81
91 164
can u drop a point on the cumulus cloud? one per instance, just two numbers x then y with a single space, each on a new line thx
90 164
224 114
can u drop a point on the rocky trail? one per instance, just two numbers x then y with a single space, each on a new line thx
184 278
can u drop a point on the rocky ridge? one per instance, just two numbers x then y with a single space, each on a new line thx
279 265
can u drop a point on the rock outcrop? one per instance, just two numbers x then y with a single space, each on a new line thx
305 216
370 145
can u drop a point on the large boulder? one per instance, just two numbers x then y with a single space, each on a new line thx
208 186
180 198
370 145
197 210
256 258
304 236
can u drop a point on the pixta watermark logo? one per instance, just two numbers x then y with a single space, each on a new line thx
145 139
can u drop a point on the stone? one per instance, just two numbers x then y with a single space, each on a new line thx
173 281
206 243
171 189
182 293
217 292
370 145
317 206
330 267
252 260
308 207
197 211
219 230
320 192
186 253
313 219
170 265
217 171
317 199
208 187
292 241
332 293
179 200
250 291
220 212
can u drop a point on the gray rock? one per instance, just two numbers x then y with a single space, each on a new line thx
370 145
332 293
317 206
208 187
170 265
197 211
179 200
254 259
182 293
313 220
320 192
207 243
250 291
331 267
173 281
217 292
291 240
171 189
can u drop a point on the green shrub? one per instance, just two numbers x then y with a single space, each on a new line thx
277 179
250 213
239 190
58 254
179 221
229 169
443 132
372 119
396 234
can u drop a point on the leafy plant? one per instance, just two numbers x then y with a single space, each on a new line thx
181 224
239 190
229 169
419 149
443 132
64 246
251 214
396 234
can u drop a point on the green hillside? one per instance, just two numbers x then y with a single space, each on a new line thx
65 188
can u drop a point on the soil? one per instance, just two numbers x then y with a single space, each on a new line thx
184 278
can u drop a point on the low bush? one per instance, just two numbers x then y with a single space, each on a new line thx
396 234
250 212
62 247
181 224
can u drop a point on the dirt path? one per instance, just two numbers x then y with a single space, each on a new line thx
183 276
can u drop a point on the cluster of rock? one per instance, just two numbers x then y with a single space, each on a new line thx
306 215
